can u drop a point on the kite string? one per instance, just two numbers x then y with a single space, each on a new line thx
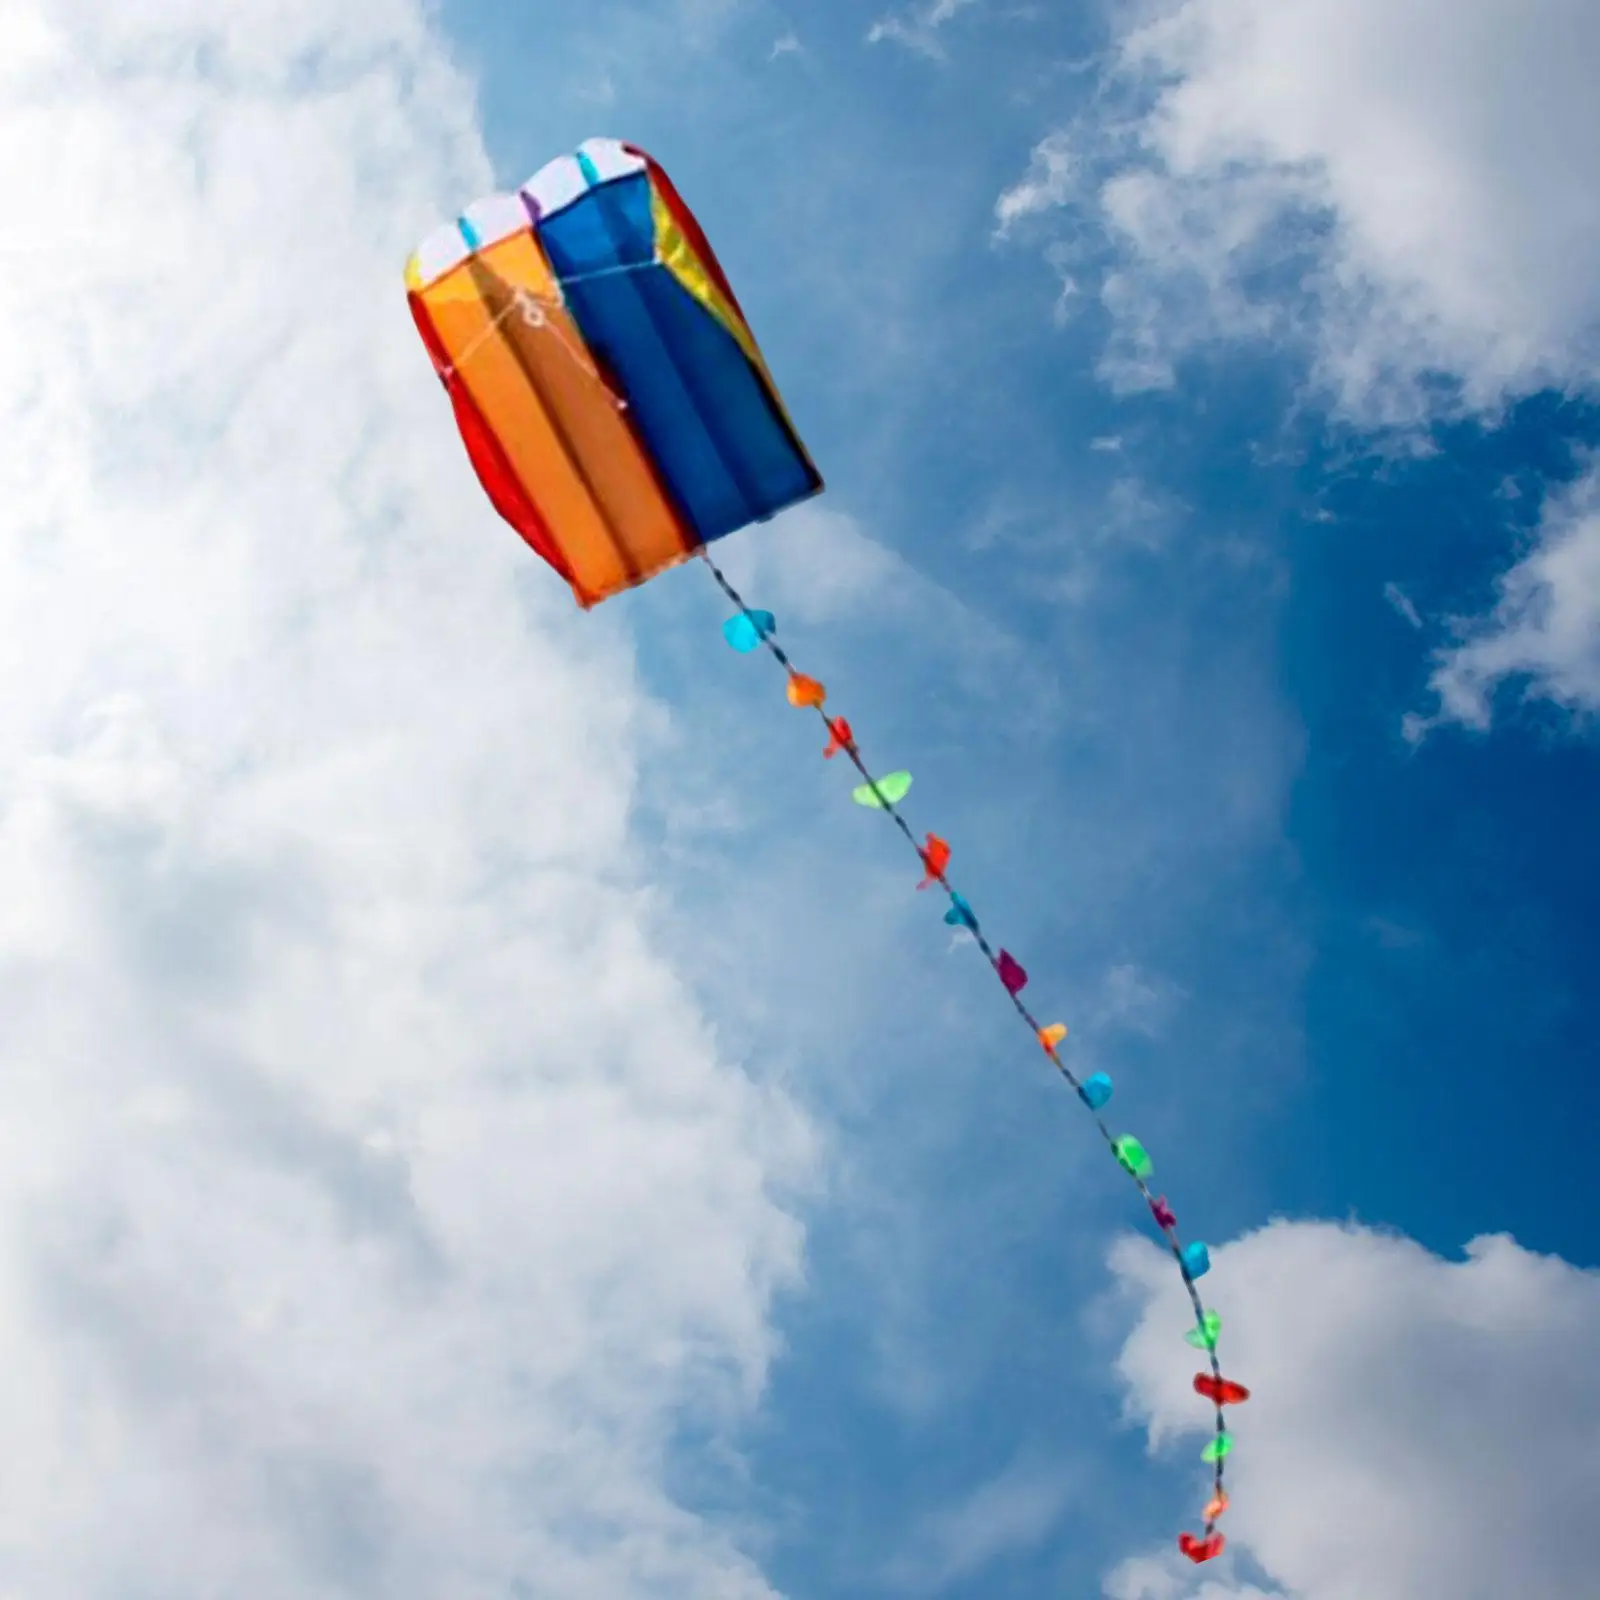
1163 1217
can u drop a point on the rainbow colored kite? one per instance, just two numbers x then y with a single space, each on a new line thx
619 414
608 387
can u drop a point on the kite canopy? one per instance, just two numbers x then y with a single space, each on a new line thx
610 393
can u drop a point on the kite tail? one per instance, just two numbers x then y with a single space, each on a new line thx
750 630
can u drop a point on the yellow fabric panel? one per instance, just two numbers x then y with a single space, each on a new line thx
679 257
532 378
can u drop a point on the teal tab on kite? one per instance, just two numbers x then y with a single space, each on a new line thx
1096 1091
1196 1260
889 790
746 631
960 914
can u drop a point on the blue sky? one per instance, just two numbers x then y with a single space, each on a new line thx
481 1113
1154 691
1450 889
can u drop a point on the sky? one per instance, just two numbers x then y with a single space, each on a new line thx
482 1114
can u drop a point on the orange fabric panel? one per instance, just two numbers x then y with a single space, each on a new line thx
569 445
502 485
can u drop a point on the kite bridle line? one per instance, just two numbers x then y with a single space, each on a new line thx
534 310
1218 1450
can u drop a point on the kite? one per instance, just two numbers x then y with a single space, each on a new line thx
608 388
619 415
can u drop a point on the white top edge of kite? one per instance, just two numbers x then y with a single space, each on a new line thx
558 183
611 158
443 249
493 218
498 216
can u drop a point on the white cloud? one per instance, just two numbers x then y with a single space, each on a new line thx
1156 1578
1402 605
1137 521
1544 631
1014 1511
1136 1000
821 567
917 27
373 1201
1048 182
1405 185
1418 1427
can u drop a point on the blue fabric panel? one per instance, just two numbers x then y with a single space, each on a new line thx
610 227
725 452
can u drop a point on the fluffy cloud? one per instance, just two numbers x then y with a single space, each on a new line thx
918 27
1403 185
373 1201
1544 631
824 567
1420 1427
1051 180
1017 1510
1401 189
